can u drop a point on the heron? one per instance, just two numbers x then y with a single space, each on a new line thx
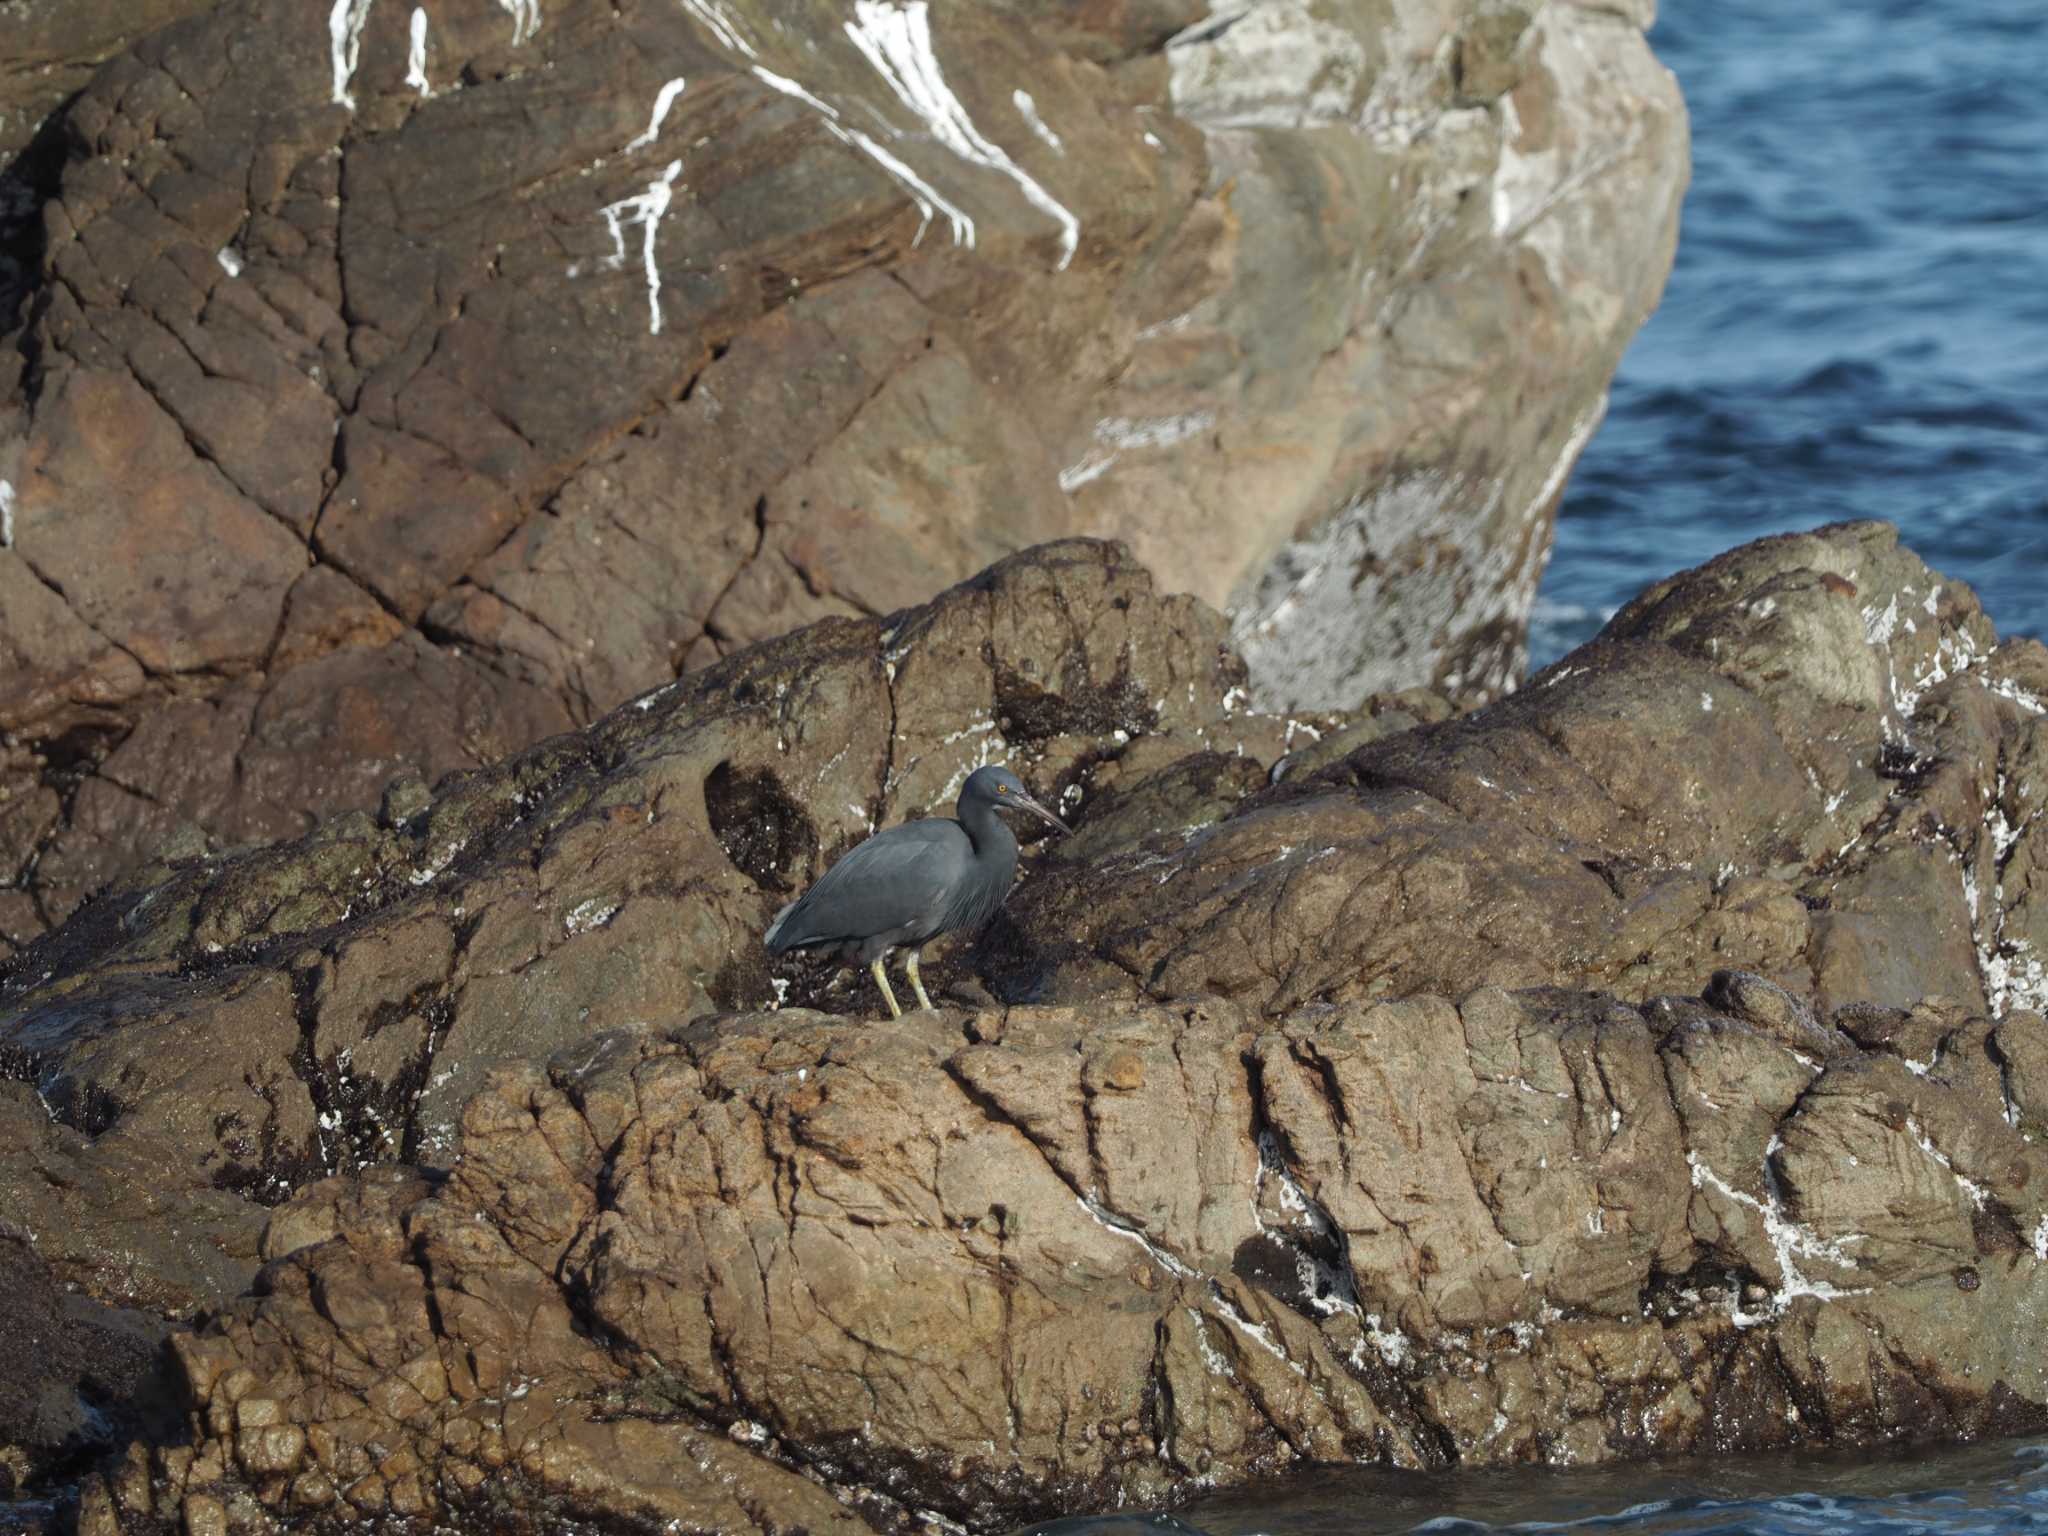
904 887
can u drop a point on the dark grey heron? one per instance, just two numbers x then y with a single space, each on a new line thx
904 887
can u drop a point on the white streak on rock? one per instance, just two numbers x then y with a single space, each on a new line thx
644 209
898 42
1029 110
1258 1333
6 515
1786 1238
1171 327
1124 432
2007 689
525 16
345 43
1212 1357
230 263
1977 1192
923 193
789 87
662 103
416 57
1091 466
1117 435
1109 1221
1566 458
707 11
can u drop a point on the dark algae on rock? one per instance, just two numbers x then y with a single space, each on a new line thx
1646 1062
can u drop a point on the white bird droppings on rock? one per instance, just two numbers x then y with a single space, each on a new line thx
525 16
345 45
416 56
897 41
594 913
645 209
1028 109
662 103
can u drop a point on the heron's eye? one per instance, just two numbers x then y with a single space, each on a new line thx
1002 789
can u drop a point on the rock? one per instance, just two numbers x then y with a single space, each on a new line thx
1114 1525
243 1028
1502 1090
1699 790
1502 1117
323 466
82 1377
1407 1233
52 47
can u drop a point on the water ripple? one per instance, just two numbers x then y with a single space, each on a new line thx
1857 325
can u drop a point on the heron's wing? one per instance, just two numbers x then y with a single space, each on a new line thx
896 878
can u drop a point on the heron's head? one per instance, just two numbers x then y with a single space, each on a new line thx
1002 790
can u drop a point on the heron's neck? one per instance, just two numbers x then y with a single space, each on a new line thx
985 829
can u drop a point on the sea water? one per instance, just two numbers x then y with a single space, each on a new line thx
1994 1489
1857 325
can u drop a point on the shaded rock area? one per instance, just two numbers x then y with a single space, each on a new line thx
1650 1061
399 386
79 1374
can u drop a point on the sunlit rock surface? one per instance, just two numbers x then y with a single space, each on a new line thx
402 384
1649 1062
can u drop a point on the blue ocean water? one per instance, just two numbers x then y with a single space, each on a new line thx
1995 1489
1998 1488
1857 325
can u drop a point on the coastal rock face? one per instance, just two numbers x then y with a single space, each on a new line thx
401 385
1808 758
49 49
1648 1062
211 1042
772 1270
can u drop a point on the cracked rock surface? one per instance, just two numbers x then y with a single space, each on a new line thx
1648 1062
398 386
776 1269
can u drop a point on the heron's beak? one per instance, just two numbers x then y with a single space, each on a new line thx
1026 803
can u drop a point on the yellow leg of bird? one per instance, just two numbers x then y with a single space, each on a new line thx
917 981
882 980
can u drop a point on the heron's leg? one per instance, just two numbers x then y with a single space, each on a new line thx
882 980
917 981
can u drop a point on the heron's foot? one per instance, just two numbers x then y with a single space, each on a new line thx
917 981
882 980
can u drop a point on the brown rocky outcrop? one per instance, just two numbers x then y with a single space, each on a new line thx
401 385
788 1269
1646 1062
